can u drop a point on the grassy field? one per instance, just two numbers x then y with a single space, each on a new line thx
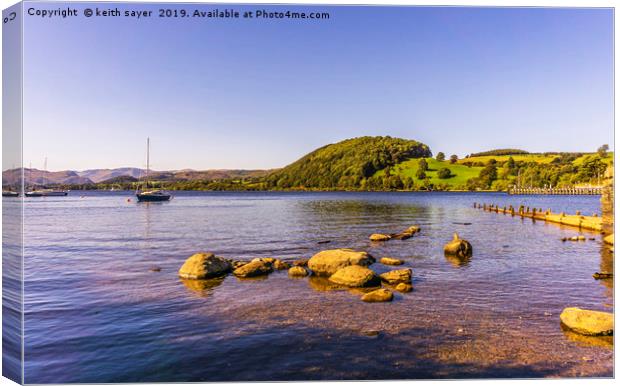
460 173
539 158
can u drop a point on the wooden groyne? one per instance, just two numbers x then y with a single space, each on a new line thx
592 191
593 223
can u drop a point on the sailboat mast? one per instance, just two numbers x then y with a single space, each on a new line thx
148 151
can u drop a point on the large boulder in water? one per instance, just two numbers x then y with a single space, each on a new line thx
458 247
256 267
588 322
326 263
355 276
204 265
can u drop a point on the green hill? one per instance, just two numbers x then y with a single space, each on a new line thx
347 164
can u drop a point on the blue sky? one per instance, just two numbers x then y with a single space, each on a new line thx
262 93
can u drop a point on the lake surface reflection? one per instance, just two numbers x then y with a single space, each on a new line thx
96 311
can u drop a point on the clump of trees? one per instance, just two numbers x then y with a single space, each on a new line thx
350 164
562 171
444 173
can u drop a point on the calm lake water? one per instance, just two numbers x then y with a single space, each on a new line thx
95 312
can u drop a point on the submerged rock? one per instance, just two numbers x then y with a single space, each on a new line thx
256 267
397 276
379 237
403 287
603 275
458 247
588 322
298 272
204 265
301 263
391 261
268 260
380 295
281 265
326 263
237 264
407 233
355 276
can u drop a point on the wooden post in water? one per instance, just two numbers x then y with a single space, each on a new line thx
607 201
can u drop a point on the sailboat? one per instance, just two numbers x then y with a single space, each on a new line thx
9 193
150 195
44 192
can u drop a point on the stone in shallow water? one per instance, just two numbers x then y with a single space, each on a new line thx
587 322
458 247
397 276
380 295
301 263
297 272
281 265
204 265
390 261
326 263
355 276
404 287
256 267
407 233
379 237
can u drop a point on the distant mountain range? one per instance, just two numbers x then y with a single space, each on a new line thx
72 177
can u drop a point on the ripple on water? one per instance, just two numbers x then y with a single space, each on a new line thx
93 304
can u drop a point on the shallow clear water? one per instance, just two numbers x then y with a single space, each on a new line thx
94 312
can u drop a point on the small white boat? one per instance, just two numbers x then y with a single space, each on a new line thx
47 193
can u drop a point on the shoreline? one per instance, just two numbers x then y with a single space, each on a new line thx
330 191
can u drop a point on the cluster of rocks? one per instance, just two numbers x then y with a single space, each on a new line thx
204 265
345 268
342 268
404 235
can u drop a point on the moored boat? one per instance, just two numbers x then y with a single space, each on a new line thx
154 195
9 193
47 193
